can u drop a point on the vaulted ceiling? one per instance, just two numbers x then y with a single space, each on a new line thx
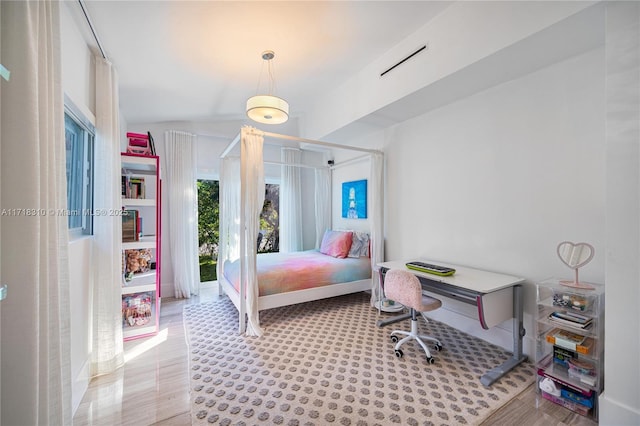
201 60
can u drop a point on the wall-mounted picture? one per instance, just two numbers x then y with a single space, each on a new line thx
354 199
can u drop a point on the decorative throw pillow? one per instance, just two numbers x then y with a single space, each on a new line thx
359 244
336 243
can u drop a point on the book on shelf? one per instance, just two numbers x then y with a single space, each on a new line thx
133 187
562 356
124 186
130 226
570 319
139 227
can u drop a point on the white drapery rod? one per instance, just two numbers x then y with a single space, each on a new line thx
91 27
303 140
229 147
280 163
321 143
350 161
304 166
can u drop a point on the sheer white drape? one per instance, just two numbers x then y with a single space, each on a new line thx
107 347
36 373
290 203
252 201
323 203
377 218
228 215
180 160
229 240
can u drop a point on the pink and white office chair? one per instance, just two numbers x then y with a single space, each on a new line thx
404 287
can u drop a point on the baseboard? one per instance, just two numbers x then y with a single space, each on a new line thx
80 385
611 412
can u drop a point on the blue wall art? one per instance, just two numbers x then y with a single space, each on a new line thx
354 199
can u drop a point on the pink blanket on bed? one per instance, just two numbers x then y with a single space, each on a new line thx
284 272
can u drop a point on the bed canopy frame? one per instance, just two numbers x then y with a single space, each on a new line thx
245 211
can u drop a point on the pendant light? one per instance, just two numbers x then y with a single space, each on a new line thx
268 109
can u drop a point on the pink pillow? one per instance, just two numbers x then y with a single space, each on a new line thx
336 243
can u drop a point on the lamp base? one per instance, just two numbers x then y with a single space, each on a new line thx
576 284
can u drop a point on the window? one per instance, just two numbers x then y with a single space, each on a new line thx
79 134
208 228
269 236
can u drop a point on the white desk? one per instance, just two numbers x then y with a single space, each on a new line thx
498 298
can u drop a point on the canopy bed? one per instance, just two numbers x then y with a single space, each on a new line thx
257 282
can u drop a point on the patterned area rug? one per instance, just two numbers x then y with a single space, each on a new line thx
326 362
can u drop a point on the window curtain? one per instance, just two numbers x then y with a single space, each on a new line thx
251 202
290 203
36 373
180 158
377 219
107 348
323 203
229 232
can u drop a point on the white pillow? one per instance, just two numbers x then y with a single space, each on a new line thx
359 244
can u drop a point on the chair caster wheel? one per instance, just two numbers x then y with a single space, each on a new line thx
431 360
394 338
438 347
398 353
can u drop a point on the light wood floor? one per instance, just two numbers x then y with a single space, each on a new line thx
153 386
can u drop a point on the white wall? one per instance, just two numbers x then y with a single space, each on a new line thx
498 179
351 172
620 402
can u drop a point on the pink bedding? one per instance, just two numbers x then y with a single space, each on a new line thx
284 272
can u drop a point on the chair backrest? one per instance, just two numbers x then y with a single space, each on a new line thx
403 287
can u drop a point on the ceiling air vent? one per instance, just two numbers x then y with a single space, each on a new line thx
405 59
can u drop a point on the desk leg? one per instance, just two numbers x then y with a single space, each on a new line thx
518 333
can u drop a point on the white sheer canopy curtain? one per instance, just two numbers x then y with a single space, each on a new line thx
229 242
377 219
290 202
35 357
323 203
180 158
251 203
107 348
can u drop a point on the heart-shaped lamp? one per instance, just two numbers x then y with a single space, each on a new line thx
575 255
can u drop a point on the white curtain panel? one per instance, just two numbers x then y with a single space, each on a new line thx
229 220
377 219
290 202
252 200
36 373
107 347
180 178
323 203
